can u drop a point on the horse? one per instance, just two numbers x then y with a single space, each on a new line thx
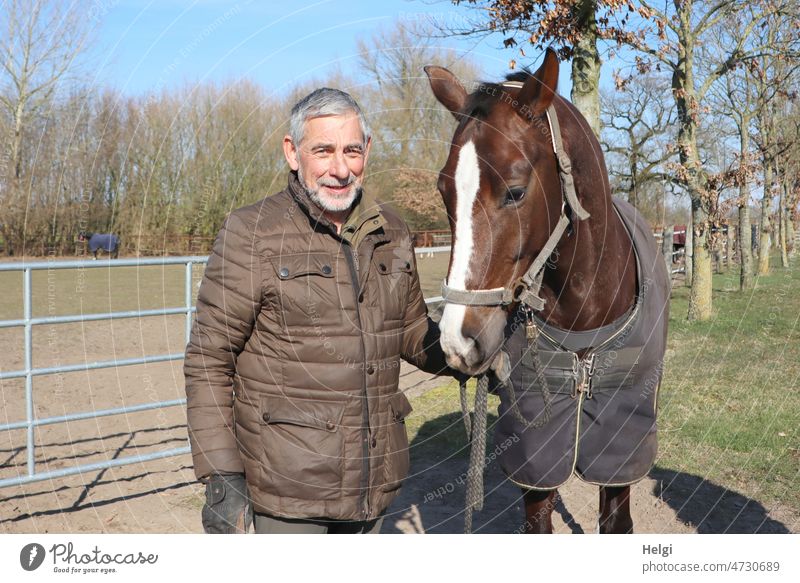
107 242
554 290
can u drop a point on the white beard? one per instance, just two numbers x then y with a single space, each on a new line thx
328 203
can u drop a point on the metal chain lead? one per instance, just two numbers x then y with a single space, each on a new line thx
532 336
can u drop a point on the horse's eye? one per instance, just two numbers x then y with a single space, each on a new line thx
514 195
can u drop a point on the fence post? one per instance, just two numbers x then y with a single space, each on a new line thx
26 310
188 300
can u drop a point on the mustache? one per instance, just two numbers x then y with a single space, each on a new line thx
337 183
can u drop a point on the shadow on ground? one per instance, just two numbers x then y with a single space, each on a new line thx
711 508
432 498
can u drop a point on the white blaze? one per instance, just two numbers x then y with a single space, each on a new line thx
467 183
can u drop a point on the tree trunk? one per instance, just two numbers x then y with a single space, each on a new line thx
688 253
16 144
586 67
700 301
633 194
764 224
728 247
782 213
666 248
745 251
700 294
744 238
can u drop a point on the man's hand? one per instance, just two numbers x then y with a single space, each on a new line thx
228 509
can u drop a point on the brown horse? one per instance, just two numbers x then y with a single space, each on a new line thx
506 195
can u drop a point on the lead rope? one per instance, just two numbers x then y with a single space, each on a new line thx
476 430
476 425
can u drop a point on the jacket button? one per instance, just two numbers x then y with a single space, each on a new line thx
330 426
326 269
361 298
370 369
265 417
284 272
382 267
408 265
374 442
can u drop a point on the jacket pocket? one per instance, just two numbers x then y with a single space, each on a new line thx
393 269
303 447
308 289
396 460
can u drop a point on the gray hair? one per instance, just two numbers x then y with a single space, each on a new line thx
322 103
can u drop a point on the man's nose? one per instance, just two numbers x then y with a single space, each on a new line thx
338 167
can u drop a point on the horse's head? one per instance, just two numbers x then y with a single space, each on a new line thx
502 192
84 236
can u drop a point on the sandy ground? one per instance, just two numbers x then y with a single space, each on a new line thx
163 496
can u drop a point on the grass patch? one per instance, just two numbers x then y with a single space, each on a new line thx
729 409
729 406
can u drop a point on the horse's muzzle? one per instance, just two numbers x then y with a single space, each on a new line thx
471 337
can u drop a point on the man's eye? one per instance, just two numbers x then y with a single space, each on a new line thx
514 195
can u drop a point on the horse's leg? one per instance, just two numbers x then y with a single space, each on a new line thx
539 505
615 510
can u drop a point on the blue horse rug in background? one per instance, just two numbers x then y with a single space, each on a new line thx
103 241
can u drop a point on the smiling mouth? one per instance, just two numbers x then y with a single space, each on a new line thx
338 189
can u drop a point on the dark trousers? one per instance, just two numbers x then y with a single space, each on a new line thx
266 524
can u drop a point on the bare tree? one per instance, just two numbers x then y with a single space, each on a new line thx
638 137
410 129
678 43
40 43
574 26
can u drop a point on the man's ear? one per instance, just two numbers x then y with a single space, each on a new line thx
290 152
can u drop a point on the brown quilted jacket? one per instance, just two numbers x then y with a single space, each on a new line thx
293 363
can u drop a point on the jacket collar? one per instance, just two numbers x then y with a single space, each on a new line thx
365 218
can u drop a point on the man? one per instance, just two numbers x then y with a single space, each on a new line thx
309 299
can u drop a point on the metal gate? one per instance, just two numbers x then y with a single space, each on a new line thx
28 322
28 372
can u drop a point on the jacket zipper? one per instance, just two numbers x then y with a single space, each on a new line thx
365 429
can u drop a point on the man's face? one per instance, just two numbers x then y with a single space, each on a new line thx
330 160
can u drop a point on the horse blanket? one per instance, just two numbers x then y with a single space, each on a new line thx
602 424
105 241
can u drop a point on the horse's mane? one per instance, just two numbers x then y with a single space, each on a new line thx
488 93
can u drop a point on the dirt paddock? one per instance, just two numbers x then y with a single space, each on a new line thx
163 496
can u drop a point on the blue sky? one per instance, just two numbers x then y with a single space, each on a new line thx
145 46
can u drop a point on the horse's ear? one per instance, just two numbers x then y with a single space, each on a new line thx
540 89
447 89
